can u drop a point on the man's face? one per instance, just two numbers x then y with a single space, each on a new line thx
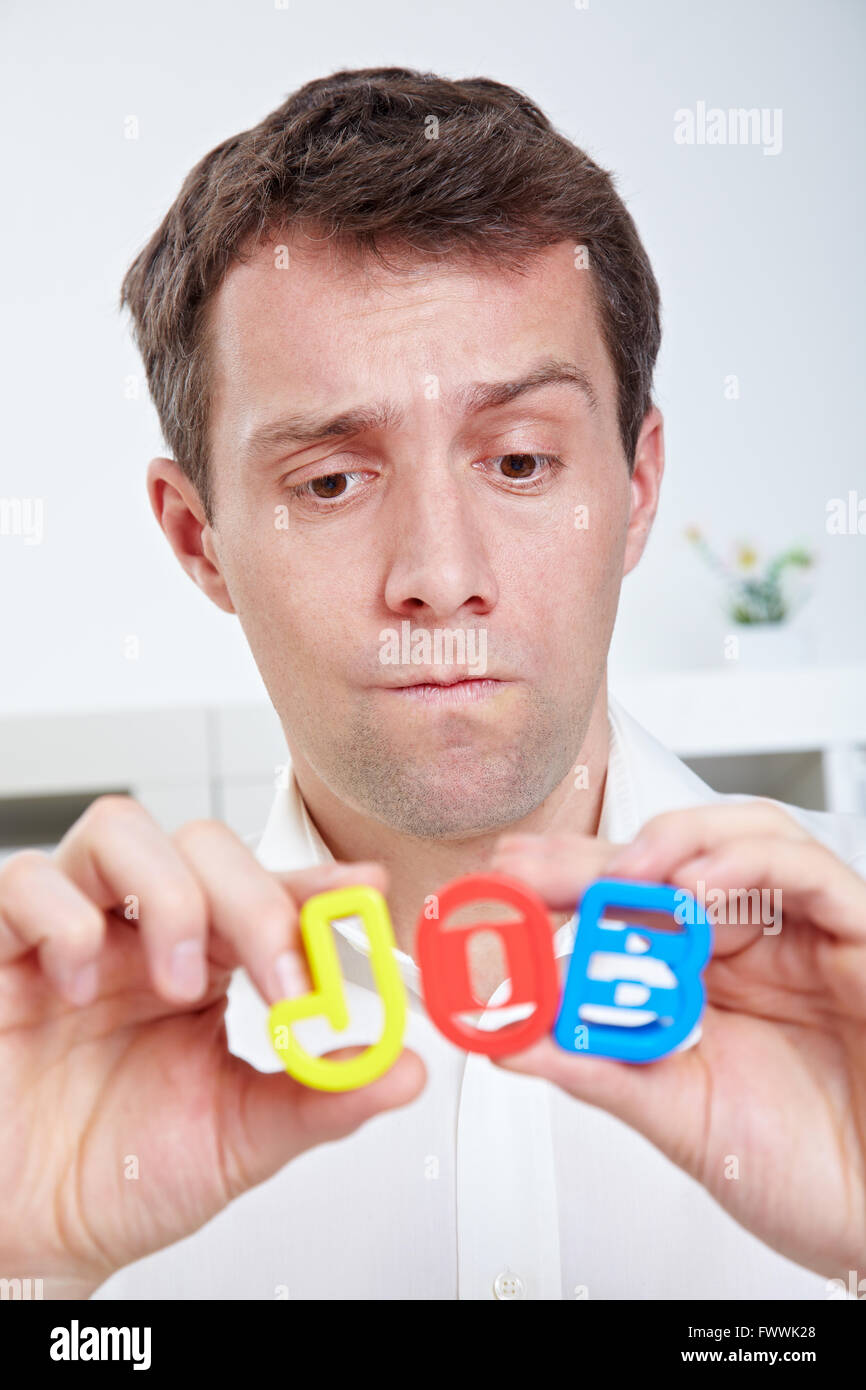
505 525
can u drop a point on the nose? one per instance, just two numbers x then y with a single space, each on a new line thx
439 564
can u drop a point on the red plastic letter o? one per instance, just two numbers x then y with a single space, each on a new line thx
528 945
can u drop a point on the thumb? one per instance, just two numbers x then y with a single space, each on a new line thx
267 1118
666 1101
557 867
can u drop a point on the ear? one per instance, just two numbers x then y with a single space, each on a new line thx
646 481
178 509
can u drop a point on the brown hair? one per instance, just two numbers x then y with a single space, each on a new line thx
350 156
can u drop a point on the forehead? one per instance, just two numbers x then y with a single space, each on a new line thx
299 322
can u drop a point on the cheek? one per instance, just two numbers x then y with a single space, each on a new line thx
597 544
295 646
574 584
269 570
285 608
572 564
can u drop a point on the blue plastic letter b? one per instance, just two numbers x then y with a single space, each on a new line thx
600 984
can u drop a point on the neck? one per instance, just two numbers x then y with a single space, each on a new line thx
419 867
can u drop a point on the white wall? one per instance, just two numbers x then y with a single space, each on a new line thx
759 260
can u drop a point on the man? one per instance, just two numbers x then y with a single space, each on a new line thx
401 338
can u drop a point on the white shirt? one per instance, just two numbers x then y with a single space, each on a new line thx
489 1185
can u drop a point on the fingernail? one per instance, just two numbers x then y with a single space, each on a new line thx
79 985
698 867
292 976
526 843
334 871
627 857
509 863
187 969
516 851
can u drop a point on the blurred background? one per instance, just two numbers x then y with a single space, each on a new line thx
741 637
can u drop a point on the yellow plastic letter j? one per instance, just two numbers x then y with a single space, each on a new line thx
327 998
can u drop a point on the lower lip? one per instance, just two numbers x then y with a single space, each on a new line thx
460 693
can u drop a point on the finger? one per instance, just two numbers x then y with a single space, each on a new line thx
40 908
255 914
557 867
268 1118
807 880
120 859
674 836
321 878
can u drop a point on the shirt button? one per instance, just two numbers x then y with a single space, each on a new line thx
508 1285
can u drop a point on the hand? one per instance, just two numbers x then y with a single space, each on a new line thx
113 1050
777 1081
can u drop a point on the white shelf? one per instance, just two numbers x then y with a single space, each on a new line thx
714 713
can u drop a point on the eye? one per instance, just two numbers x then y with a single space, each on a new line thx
526 471
327 488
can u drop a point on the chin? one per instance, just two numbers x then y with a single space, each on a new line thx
450 807
448 784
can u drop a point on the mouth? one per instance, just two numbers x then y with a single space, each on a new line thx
455 691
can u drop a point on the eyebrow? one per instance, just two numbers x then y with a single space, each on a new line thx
311 427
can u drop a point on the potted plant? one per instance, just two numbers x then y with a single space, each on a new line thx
758 600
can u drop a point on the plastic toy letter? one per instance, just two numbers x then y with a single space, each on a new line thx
328 1000
528 943
676 956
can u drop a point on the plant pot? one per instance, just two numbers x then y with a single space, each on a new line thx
768 646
